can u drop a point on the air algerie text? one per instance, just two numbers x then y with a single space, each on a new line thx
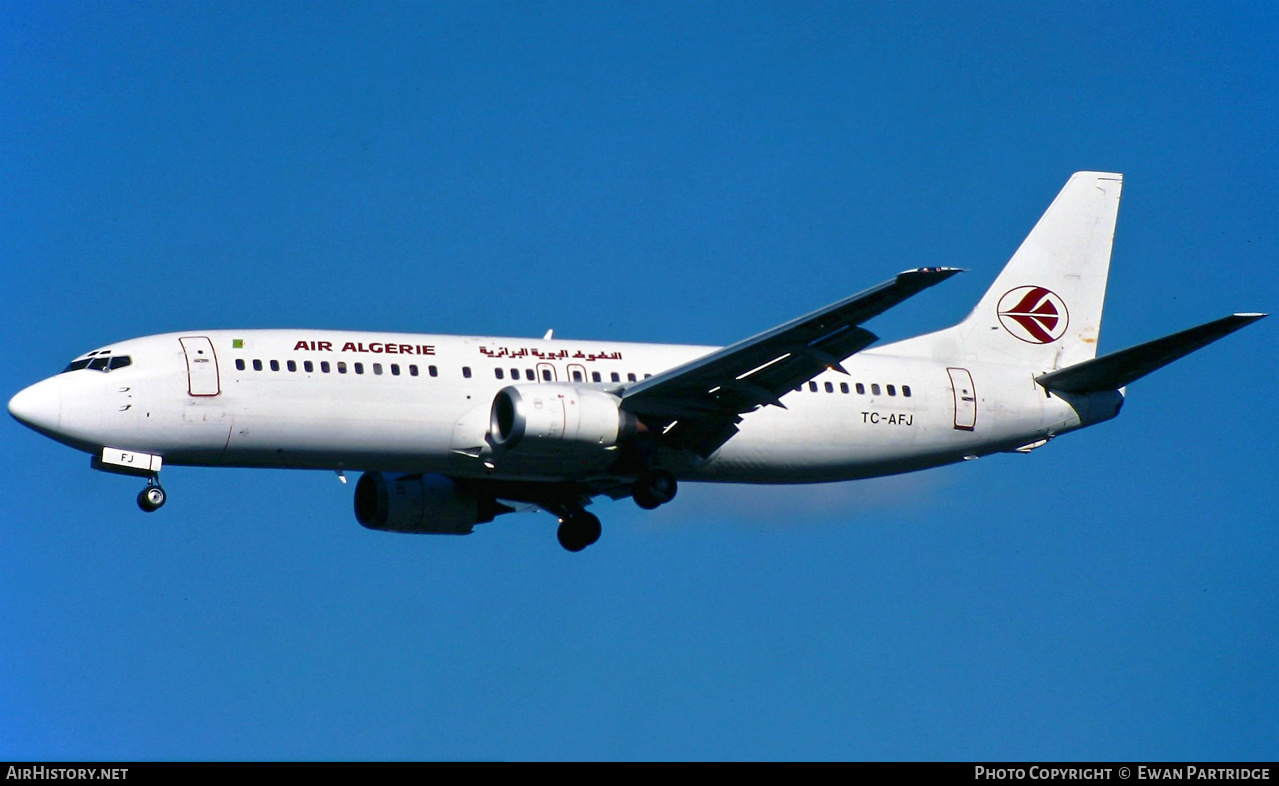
375 347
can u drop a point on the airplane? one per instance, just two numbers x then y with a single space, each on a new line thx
450 432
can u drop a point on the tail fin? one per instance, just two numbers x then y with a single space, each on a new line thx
1044 309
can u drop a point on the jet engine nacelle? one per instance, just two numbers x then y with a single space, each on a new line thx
429 504
549 419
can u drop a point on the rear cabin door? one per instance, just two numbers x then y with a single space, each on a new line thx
202 366
961 384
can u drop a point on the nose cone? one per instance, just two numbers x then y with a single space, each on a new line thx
38 407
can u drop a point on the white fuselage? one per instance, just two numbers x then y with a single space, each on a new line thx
416 403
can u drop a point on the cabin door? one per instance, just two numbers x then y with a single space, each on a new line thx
961 384
202 366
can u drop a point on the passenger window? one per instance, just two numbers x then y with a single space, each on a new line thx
239 364
433 371
395 369
843 387
341 366
874 388
257 365
615 377
515 374
377 368
528 374
861 389
466 372
830 387
906 391
292 365
812 386
275 365
577 376
359 368
499 373
646 376
595 376
546 375
892 391
412 370
630 377
308 366
324 366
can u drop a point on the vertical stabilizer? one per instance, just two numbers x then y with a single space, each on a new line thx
1044 309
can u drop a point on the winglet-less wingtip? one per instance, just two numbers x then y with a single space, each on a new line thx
937 273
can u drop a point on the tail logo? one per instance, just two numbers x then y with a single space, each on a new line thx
1033 314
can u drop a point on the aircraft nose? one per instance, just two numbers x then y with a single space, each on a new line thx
38 407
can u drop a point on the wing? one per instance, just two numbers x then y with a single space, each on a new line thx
698 405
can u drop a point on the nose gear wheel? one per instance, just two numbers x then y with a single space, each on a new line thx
152 498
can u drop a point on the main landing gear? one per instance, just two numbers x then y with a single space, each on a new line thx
578 530
152 498
653 488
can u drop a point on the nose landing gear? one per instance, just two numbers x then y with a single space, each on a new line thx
152 498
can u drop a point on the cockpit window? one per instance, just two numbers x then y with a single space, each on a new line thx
102 360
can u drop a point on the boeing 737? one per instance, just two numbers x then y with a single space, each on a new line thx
453 431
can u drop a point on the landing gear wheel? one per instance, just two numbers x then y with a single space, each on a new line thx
589 524
578 531
654 488
152 498
644 499
569 537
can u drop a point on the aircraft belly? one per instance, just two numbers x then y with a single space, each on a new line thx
739 464
321 443
332 434
820 439
825 441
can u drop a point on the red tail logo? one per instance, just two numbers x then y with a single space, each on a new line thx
1033 314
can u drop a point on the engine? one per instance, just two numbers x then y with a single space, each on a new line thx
429 504
555 419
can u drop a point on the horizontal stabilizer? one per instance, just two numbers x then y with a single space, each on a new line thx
1112 372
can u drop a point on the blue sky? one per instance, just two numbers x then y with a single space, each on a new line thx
650 172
